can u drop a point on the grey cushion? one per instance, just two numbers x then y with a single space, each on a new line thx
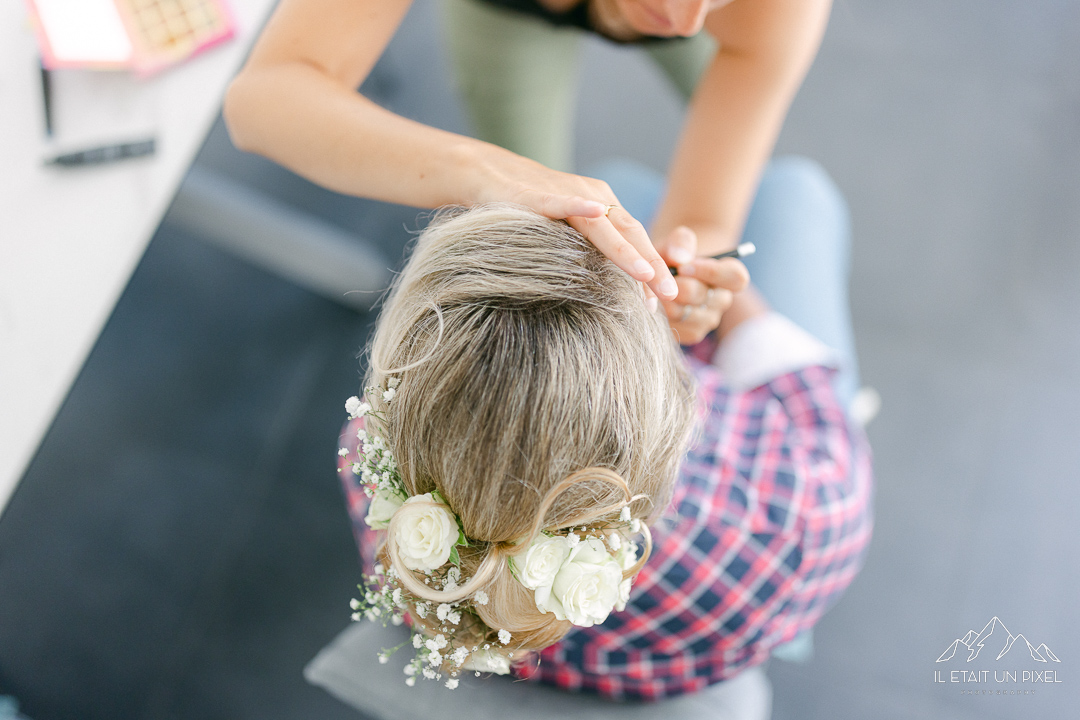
348 668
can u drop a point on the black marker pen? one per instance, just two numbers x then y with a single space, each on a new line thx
744 249
107 153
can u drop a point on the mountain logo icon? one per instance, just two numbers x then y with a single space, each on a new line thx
994 635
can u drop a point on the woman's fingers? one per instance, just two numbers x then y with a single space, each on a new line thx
561 207
707 302
707 288
681 247
728 273
624 241
613 230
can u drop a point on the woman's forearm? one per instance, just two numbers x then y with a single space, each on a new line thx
735 116
296 115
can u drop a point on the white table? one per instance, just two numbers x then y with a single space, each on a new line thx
71 237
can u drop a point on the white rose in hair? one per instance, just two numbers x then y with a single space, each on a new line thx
488 661
425 532
384 503
586 588
624 595
541 562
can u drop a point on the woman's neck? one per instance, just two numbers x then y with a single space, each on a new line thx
559 6
604 15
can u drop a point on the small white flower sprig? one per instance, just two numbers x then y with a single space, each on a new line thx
427 535
376 466
436 656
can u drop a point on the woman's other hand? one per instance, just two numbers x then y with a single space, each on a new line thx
707 287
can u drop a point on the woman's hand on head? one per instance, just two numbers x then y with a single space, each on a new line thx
590 207
707 287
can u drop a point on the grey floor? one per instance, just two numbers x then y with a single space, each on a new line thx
178 547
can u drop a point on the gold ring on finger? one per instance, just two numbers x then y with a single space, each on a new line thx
609 208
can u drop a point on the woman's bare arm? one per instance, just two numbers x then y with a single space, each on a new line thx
735 115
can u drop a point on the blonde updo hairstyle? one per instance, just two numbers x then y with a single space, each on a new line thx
537 393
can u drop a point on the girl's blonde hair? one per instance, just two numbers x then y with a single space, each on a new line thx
537 392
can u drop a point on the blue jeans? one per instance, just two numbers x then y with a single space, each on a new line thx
800 225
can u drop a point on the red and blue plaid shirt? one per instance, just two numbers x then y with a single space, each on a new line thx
769 524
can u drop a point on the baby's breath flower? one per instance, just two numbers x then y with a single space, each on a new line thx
624 514
417 641
572 540
357 468
352 405
422 610
397 619
442 611
342 452
614 541
453 617
459 655
354 604
388 395
409 669
504 636
393 382
410 681
356 617
635 525
434 658
452 683
383 659
481 597
428 673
